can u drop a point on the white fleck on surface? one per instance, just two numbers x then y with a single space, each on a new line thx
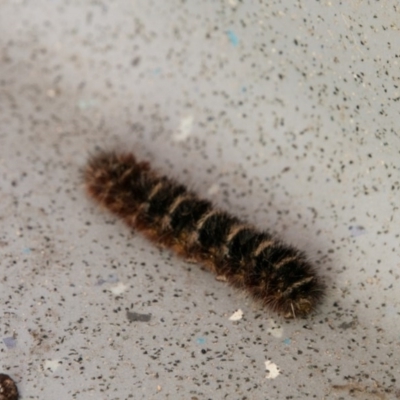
51 93
213 189
274 329
185 129
236 316
118 289
51 365
272 370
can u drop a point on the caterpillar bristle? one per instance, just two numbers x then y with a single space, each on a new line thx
277 275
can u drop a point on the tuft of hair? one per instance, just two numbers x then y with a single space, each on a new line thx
8 388
166 212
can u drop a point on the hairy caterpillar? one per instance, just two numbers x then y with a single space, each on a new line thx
169 214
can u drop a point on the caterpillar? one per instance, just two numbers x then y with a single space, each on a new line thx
167 213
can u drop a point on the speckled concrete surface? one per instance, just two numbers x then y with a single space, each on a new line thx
285 113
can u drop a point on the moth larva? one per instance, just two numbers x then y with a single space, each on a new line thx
169 214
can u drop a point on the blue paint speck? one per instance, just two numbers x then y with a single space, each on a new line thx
85 104
232 38
26 250
112 278
357 230
10 342
200 340
287 341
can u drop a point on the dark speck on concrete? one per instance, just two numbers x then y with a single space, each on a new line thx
134 316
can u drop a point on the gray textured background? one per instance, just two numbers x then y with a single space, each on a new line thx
285 113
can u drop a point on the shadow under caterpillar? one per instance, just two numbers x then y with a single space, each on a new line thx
172 216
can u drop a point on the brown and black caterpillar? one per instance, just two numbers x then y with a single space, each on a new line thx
168 213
